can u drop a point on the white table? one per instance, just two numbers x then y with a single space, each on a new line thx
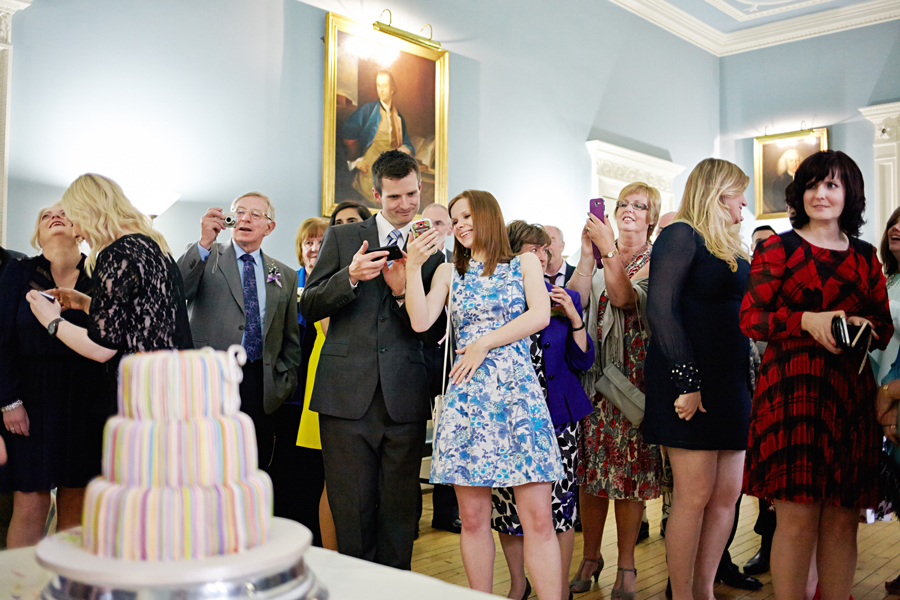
21 578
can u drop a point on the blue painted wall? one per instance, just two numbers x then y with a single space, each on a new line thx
823 81
211 98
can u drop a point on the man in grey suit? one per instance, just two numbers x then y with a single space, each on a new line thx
371 388
238 295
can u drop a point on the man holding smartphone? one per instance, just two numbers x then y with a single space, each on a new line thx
371 388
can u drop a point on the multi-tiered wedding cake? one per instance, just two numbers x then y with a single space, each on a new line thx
181 498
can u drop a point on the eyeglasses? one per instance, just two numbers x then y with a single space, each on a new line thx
254 214
635 205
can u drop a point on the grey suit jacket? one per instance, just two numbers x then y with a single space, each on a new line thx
370 339
216 304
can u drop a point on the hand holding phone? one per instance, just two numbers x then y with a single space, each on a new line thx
47 296
393 252
598 209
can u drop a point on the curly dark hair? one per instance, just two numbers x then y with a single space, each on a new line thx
817 167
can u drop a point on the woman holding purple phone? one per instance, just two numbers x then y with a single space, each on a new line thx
615 463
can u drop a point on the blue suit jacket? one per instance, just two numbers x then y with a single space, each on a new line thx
562 359
363 125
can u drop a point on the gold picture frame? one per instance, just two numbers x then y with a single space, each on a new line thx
356 57
774 157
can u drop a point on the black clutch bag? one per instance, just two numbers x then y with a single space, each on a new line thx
847 335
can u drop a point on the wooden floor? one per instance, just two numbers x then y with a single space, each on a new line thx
436 554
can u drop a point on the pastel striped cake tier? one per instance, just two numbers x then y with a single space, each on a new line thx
180 475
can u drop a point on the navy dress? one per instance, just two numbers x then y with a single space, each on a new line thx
696 344
65 395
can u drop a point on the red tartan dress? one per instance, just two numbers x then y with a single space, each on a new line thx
814 437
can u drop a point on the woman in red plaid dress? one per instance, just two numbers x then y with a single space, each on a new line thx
814 437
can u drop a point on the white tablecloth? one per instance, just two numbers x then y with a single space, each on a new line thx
21 578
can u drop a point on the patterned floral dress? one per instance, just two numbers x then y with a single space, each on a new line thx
505 516
814 436
495 430
614 461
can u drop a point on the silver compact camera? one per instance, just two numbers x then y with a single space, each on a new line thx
230 219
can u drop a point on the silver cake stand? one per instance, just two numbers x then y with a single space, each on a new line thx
274 571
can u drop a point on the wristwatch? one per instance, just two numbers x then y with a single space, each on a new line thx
53 326
611 254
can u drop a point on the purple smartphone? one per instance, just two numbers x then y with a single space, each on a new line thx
597 209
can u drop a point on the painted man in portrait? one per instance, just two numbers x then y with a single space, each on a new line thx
372 129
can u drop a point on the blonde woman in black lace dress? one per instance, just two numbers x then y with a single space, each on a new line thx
138 305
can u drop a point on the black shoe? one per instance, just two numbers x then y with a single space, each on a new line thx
662 527
454 526
644 532
577 525
734 578
757 565
669 589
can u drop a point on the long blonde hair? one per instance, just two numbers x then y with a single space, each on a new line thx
99 206
702 208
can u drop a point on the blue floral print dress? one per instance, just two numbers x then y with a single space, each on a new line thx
494 431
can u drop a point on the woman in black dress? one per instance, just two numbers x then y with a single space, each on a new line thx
697 370
138 303
53 420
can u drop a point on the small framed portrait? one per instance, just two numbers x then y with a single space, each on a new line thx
381 93
776 158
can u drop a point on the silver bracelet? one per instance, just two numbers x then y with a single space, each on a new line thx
11 406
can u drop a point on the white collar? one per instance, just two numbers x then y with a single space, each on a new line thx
239 252
385 228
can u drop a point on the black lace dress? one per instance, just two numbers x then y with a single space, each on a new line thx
58 388
138 304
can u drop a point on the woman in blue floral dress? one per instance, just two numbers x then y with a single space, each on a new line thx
495 428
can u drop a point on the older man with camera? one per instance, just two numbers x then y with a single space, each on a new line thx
238 295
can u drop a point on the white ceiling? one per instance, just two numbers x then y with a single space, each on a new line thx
725 27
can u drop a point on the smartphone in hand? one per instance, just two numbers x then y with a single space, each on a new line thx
394 252
598 209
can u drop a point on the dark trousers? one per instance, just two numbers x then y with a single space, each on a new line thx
446 509
298 474
765 523
372 469
726 563
252 404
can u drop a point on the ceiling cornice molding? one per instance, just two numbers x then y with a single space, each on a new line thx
881 111
690 28
677 21
739 15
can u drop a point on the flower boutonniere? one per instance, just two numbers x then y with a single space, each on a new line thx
274 275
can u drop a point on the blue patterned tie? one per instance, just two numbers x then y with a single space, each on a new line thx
253 328
393 239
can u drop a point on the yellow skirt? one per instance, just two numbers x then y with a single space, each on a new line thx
308 434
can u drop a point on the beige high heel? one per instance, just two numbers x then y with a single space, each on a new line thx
620 593
578 585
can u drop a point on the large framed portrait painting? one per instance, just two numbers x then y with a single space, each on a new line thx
381 93
776 158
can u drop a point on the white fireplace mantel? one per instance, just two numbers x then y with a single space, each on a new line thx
7 10
886 118
614 167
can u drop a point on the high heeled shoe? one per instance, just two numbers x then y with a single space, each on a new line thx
527 589
578 585
620 593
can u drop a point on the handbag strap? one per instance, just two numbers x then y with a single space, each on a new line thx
447 339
